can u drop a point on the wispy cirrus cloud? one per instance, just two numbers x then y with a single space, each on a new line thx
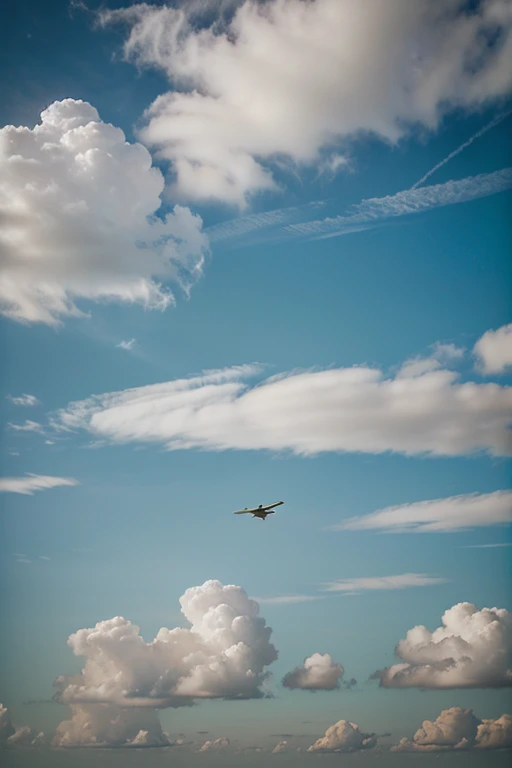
27 426
127 345
380 583
26 400
453 513
292 223
377 210
286 599
28 484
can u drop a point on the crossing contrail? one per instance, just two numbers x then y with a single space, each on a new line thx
477 135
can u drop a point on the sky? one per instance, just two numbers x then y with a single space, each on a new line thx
256 252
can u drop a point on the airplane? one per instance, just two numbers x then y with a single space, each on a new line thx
261 512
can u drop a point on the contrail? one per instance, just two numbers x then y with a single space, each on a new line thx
477 135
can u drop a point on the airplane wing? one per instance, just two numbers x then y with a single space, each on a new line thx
271 506
245 512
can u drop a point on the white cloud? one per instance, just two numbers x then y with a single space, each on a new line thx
471 649
492 124
494 350
78 205
291 79
128 345
454 513
12 735
318 673
28 400
344 736
216 745
282 746
30 483
357 409
223 655
375 211
285 599
107 725
458 728
371 583
27 426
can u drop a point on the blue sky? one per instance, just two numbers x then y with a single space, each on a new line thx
336 337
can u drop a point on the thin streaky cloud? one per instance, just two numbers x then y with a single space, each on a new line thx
374 211
472 510
30 483
128 345
27 426
286 599
381 583
496 121
24 399
235 228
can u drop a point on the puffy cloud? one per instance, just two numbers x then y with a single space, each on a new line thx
344 736
494 350
281 747
223 655
458 728
400 581
28 400
472 510
17 736
215 745
78 205
318 673
355 409
107 725
471 649
30 483
291 79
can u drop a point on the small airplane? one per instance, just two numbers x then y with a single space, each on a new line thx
260 511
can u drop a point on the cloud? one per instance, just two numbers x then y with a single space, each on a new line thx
494 350
492 124
27 426
454 513
30 483
377 210
281 747
471 649
78 205
458 728
107 725
223 655
216 745
128 345
318 673
20 736
28 400
371 583
357 409
344 736
294 80
286 599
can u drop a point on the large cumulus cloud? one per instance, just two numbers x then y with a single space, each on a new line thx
318 673
223 655
458 728
293 79
108 725
77 212
344 736
472 649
